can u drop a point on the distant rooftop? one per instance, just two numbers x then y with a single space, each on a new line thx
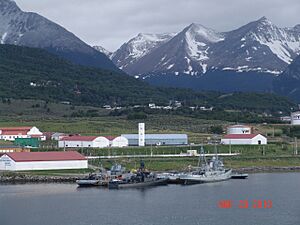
79 138
239 126
15 128
157 136
240 136
45 156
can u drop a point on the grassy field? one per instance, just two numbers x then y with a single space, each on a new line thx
270 150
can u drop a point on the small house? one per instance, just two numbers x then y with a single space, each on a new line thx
244 139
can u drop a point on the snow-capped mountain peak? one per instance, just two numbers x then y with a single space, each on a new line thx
138 47
143 43
198 40
257 46
264 20
203 33
283 42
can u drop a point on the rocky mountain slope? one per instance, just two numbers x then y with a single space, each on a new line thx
103 50
288 83
32 30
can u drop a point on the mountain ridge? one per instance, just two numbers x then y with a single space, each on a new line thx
257 46
30 29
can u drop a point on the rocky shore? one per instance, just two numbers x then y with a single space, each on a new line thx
256 169
25 178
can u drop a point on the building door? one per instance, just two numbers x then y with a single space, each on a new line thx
259 142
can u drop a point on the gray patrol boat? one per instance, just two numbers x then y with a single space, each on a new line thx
213 171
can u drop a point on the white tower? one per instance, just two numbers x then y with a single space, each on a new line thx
141 134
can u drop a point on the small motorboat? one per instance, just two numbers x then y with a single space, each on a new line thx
239 176
92 180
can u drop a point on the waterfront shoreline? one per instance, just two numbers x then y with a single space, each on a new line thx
17 178
267 169
24 178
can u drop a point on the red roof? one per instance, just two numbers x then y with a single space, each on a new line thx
240 136
79 138
45 156
15 128
36 135
14 132
239 126
110 137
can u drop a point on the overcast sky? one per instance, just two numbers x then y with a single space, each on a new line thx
110 23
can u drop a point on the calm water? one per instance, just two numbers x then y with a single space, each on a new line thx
65 204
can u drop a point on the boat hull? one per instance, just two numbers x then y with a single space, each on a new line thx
239 176
116 185
192 179
90 183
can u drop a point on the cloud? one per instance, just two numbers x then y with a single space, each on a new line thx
110 23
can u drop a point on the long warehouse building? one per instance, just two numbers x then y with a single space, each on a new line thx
158 139
24 161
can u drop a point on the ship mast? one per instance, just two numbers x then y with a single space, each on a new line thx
202 160
215 147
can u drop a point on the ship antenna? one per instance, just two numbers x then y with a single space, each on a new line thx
215 147
202 159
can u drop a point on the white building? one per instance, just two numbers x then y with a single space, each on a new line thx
11 133
239 129
286 118
24 161
157 139
244 139
295 118
83 142
57 136
118 142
